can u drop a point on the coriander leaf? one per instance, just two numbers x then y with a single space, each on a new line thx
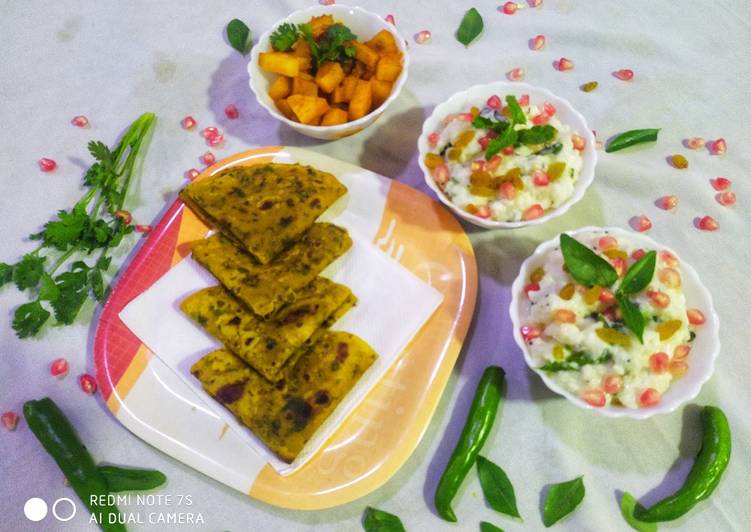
73 287
584 265
48 290
375 520
631 138
29 318
628 506
103 263
96 283
101 153
517 115
561 500
639 274
239 37
331 45
537 134
470 27
28 272
284 37
504 140
6 273
489 527
97 175
65 231
575 361
632 316
497 487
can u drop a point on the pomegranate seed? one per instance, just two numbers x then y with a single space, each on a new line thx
465 117
144 229
612 383
423 37
637 254
668 259
530 332
59 368
624 74
483 211
540 178
718 147
494 102
9 420
509 8
607 297
231 112
537 42
483 142
508 150
726 198
441 174
694 143
594 398
534 3
658 299
80 121
433 138
619 263
192 174
209 132
540 119
327 2
493 163
188 123
515 74
47 165
695 316
670 277
524 100
208 158
607 242
578 142
641 223
531 287
87 384
721 183
548 108
564 64
677 368
658 362
125 216
649 397
390 19
532 212
681 351
564 316
215 140
508 190
707 223
667 203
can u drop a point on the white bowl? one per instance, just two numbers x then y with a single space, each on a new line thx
704 349
478 95
364 24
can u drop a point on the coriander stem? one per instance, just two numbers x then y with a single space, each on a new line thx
61 260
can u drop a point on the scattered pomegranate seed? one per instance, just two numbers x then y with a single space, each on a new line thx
612 383
531 287
668 259
649 397
707 223
624 74
327 2
640 223
681 351
483 142
540 178
390 19
493 163
423 37
607 242
47 165
564 64
658 299
718 147
594 398
537 42
483 211
433 138
143 228
87 384
59 368
549 109
694 143
564 316
530 332
441 174
637 254
532 212
677 368
695 316
80 121
721 183
509 8
619 263
524 100
188 123
9 420
209 132
658 362
208 158
231 112
494 102
726 198
578 142
607 297
670 277
192 174
465 117
215 140
678 161
534 3
125 216
515 74
667 203
508 191
508 150
540 119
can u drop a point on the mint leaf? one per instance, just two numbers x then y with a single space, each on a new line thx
537 134
239 37
584 265
628 506
470 27
504 140
561 500
375 520
639 274
497 488
28 272
632 316
517 115
29 318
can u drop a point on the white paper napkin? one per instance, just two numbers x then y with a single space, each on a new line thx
393 304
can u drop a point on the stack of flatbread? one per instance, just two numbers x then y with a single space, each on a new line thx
281 371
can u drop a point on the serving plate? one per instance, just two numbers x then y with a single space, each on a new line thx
382 431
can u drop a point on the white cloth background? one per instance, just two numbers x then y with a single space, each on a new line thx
113 60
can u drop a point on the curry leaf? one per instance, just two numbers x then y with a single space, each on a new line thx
470 27
584 265
639 274
632 316
517 115
498 490
561 500
505 139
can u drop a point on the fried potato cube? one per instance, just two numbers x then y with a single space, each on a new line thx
320 24
279 63
281 88
301 85
329 75
307 108
381 91
348 84
334 116
285 109
365 54
383 42
337 95
362 98
389 67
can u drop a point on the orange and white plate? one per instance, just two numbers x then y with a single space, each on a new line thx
382 431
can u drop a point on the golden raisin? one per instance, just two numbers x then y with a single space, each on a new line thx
615 253
537 275
591 295
474 111
454 154
589 86
471 208
668 328
464 138
613 337
679 161
432 160
558 352
567 292
555 170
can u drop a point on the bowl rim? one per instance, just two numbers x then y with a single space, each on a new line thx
254 71
690 275
589 158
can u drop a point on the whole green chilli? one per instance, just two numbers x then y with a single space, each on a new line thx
705 474
631 138
130 479
476 429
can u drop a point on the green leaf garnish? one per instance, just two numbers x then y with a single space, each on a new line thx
575 361
28 272
497 488
631 138
517 115
470 27
554 148
239 37
584 265
639 274
29 318
632 316
284 37
505 139
375 520
489 527
6 273
537 134
561 500
628 506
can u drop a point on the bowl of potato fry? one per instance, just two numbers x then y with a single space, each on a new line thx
328 71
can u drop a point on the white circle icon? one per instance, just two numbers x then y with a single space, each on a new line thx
35 509
72 509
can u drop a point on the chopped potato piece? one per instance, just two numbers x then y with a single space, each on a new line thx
334 116
279 63
389 67
348 84
383 42
337 95
301 48
285 109
307 108
320 24
280 88
362 98
300 85
380 90
329 76
365 54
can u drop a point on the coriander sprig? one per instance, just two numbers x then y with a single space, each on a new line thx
94 224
